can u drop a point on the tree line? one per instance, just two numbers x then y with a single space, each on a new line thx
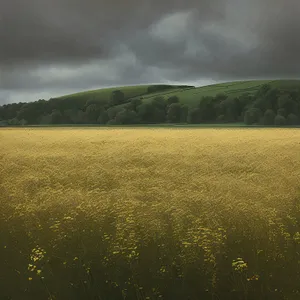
268 106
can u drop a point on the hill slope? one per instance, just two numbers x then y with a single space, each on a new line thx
105 93
264 102
191 97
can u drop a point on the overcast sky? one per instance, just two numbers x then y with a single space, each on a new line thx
51 48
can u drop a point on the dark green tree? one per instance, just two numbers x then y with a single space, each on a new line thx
160 109
23 122
262 103
282 112
184 113
280 120
126 116
172 99
133 104
248 119
147 113
252 116
103 117
56 117
293 119
117 97
194 116
71 115
272 97
160 103
45 119
82 117
269 117
207 110
245 100
221 119
92 112
14 122
174 113
112 112
113 122
230 108
286 102
31 112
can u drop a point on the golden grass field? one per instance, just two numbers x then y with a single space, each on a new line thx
208 191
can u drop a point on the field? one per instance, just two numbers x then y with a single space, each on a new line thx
155 213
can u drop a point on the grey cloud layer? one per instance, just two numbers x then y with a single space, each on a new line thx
65 30
59 45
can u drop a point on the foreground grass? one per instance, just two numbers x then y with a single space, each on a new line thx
149 213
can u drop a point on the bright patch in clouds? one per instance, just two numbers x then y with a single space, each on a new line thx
172 28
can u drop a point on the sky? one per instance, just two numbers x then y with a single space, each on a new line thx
57 47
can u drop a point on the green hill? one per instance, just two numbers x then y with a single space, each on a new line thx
129 92
232 89
259 102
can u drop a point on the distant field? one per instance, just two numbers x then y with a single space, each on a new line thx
154 213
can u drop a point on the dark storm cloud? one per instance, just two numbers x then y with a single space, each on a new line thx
67 30
49 48
254 40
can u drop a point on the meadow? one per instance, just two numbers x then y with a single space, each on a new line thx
149 213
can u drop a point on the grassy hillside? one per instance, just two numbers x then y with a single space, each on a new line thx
188 96
191 97
129 92
263 102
